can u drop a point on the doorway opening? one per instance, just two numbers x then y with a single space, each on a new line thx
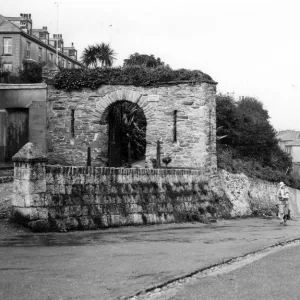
16 131
127 134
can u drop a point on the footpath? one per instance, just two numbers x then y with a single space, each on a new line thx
118 263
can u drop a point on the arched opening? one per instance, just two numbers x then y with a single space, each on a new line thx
126 135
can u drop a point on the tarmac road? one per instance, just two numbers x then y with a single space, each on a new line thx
274 277
108 264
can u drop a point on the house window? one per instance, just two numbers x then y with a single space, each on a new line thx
63 63
7 67
69 65
288 149
7 46
40 54
51 56
27 54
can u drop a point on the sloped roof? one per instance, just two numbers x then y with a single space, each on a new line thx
288 135
293 143
6 25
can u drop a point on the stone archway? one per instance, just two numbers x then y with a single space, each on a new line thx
104 105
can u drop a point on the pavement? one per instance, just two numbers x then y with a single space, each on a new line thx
120 262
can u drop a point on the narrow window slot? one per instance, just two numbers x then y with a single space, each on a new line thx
175 126
72 123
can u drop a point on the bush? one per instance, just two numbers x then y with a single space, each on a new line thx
31 72
230 160
72 79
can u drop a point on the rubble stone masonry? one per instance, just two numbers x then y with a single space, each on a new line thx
61 198
196 122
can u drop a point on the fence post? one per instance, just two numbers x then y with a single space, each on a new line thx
29 204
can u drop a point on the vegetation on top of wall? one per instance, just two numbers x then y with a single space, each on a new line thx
249 142
72 79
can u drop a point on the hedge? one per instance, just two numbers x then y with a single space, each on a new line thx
73 79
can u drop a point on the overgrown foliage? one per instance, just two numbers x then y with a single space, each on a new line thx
30 73
72 79
250 145
4 74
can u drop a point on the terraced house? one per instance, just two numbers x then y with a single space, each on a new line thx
19 41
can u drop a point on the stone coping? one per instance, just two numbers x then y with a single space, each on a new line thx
27 86
57 169
30 153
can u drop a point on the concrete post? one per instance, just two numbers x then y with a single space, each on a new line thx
29 205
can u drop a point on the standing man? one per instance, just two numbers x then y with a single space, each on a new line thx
283 196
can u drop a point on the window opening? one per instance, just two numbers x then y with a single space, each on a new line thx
72 123
7 45
28 50
175 126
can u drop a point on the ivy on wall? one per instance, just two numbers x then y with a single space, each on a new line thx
72 79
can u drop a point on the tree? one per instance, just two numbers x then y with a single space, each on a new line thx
89 58
105 55
228 119
248 132
99 53
251 107
145 60
257 136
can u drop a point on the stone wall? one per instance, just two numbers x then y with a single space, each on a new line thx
250 196
70 198
60 198
196 122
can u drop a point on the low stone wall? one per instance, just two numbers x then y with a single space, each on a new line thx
59 198
70 198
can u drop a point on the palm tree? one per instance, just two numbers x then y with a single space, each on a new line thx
89 56
105 54
99 53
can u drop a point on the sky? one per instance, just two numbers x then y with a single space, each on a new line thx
250 47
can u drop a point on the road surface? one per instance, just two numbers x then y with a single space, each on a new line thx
274 277
108 264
